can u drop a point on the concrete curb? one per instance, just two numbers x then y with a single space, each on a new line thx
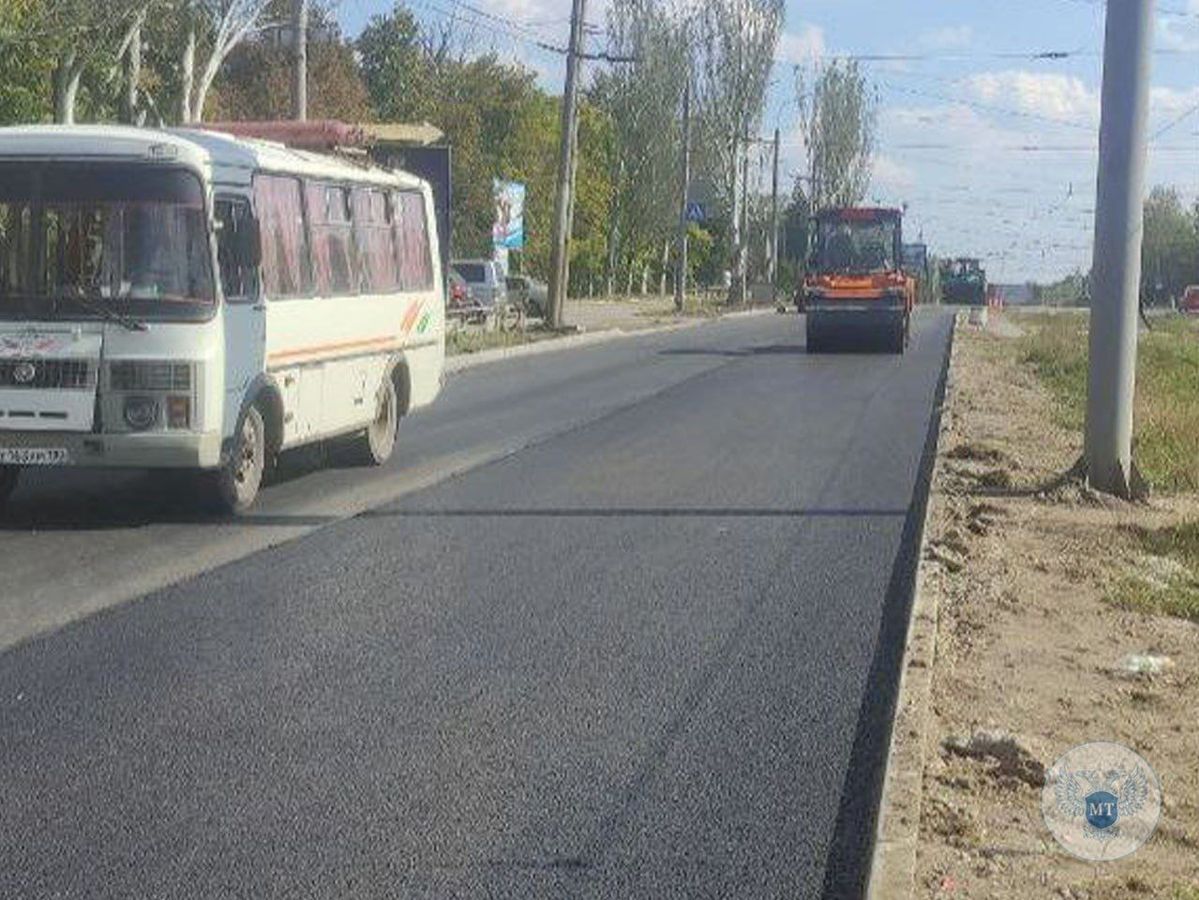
465 361
893 866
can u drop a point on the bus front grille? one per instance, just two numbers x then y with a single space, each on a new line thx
43 374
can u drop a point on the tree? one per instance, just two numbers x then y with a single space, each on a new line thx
1170 248
499 123
75 39
255 83
644 100
212 29
838 120
26 63
733 58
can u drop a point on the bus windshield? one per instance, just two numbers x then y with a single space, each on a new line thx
856 246
130 238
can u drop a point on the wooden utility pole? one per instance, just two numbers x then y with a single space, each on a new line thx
680 279
563 203
299 90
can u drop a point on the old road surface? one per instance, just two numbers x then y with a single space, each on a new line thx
619 621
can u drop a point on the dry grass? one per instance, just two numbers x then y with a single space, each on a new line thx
1177 595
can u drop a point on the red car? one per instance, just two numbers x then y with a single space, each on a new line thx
1190 300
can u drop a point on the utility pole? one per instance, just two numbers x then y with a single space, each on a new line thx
560 245
743 249
774 225
1119 220
299 90
680 278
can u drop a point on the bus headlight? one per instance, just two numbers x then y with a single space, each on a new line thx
179 412
141 413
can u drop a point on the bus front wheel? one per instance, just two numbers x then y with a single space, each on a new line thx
240 477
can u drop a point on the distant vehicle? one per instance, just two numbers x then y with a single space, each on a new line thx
963 282
458 296
528 293
485 282
915 266
855 282
1190 301
188 300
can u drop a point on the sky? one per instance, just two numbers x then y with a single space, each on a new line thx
993 152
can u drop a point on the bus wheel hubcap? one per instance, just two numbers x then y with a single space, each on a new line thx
247 463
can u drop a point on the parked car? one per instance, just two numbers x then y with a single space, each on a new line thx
528 293
485 283
1190 301
458 300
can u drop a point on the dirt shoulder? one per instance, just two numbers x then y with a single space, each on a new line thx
1045 598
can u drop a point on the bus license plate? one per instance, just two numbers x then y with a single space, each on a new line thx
34 456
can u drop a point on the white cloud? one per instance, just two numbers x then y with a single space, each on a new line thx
1180 32
950 37
891 176
1047 94
803 46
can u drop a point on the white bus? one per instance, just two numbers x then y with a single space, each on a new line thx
186 299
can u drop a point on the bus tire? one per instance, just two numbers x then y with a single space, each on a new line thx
240 476
9 476
375 445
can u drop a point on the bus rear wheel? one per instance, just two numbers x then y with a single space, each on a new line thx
240 477
9 476
377 443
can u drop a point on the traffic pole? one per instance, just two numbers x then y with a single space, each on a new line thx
680 278
560 245
1116 272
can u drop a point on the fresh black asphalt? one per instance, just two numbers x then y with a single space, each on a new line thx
650 653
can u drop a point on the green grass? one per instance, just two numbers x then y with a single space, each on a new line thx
1179 601
1167 403
1179 598
459 342
1056 348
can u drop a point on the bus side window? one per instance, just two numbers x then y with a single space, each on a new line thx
412 241
376 241
236 250
286 258
335 258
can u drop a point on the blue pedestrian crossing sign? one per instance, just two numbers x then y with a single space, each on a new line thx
696 212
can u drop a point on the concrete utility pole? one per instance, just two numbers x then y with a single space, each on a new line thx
743 248
560 244
680 278
774 224
299 90
1119 219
